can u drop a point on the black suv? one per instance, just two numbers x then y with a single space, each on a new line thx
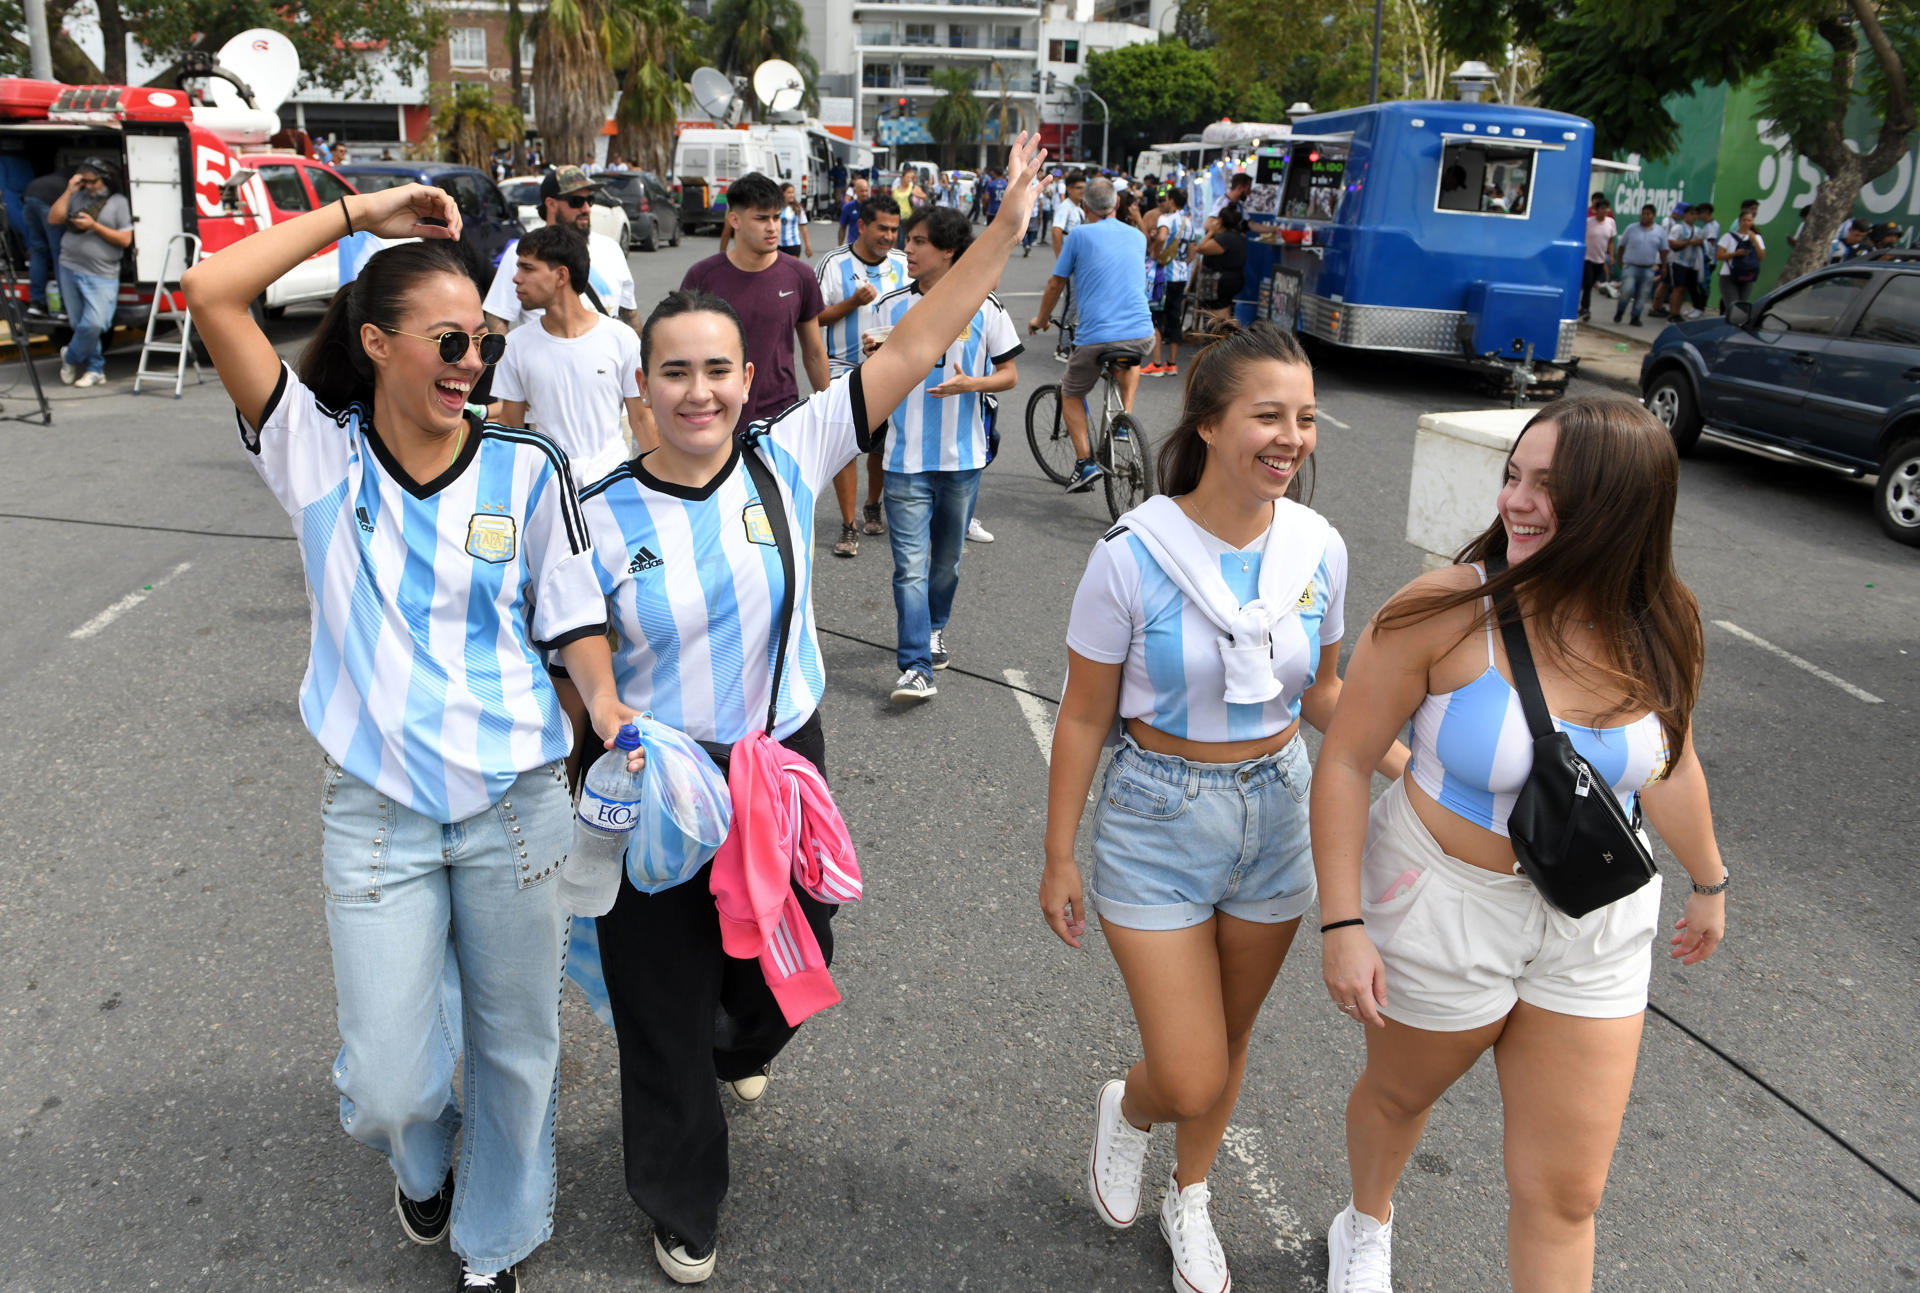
653 209
487 223
1823 370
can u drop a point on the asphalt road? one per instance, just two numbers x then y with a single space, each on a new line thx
166 1004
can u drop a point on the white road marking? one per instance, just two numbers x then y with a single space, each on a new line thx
1035 712
1792 659
1290 1233
125 604
1322 413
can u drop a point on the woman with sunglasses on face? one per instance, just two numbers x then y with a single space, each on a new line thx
1431 937
690 559
442 557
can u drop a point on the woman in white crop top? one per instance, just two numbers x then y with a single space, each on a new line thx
1432 938
1202 866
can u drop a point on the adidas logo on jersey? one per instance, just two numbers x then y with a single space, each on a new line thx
644 560
366 522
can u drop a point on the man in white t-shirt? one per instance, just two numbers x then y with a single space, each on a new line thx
569 375
566 197
1237 190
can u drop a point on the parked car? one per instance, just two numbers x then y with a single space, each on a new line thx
1823 370
651 204
487 223
522 193
294 186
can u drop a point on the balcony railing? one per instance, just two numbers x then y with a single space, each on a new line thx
985 86
1032 6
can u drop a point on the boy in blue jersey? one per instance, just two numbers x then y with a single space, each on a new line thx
850 208
851 279
794 239
937 449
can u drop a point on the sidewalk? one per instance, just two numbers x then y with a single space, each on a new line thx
1609 352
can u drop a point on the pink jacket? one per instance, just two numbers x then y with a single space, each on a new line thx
786 831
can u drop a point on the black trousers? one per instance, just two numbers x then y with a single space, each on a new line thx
688 1017
1591 272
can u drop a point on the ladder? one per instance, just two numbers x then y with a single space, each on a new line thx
170 325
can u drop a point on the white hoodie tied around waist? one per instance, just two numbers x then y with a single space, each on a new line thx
1295 543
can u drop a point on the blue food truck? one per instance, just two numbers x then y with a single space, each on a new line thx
1451 229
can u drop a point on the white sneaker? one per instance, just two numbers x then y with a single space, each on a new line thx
978 533
1359 1253
67 373
913 686
750 1088
1118 1158
90 379
1198 1264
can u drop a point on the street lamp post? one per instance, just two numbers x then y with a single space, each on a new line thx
1106 121
39 50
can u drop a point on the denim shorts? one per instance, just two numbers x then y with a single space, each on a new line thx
1174 842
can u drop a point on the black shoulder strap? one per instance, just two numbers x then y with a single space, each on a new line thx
594 297
775 508
1526 679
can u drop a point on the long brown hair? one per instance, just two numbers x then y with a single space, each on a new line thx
1613 481
1213 382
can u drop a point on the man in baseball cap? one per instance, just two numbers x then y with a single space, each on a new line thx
566 198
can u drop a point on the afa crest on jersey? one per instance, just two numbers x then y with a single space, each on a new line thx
759 530
490 537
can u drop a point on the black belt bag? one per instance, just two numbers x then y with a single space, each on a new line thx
1570 834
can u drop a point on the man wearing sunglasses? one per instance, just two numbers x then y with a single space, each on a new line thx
566 198
98 228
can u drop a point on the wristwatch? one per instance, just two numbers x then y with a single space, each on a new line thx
1710 889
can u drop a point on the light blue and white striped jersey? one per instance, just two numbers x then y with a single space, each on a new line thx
428 600
694 577
1128 612
1472 750
790 222
841 273
946 433
1184 231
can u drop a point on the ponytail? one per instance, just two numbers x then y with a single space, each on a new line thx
335 365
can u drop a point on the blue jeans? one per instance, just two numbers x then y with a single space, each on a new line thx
43 250
1636 284
927 515
447 937
89 300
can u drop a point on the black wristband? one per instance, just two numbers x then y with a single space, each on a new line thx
347 216
1342 924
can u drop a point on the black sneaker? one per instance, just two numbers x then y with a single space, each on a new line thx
683 1263
426 1222
506 1281
937 649
38 312
870 520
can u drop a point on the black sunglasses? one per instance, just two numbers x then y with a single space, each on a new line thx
577 200
453 345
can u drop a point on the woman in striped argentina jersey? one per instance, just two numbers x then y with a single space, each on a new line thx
1201 863
687 553
442 557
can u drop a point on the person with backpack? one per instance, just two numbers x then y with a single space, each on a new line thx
1740 252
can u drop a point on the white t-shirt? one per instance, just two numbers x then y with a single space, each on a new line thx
573 388
607 271
1128 612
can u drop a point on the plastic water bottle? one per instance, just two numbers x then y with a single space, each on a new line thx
602 826
54 304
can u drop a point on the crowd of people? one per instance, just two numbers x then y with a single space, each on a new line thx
491 604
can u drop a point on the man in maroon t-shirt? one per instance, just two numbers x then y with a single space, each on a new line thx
775 296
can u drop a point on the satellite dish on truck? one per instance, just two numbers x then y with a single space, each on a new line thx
266 61
778 86
717 96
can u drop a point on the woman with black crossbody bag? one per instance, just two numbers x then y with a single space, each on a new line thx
1500 896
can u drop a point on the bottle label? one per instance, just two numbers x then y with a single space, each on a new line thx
609 815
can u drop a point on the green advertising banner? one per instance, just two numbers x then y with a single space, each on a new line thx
1728 152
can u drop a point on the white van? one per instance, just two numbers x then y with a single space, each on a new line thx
705 161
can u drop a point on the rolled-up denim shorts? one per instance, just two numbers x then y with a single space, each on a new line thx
1174 842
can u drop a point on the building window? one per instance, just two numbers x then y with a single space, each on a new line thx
526 51
1012 36
963 36
467 46
882 35
920 33
877 77
1063 51
916 73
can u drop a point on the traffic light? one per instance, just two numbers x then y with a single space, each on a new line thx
901 108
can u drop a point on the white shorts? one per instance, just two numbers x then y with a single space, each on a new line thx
1462 944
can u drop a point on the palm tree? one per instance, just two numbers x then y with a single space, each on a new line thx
1010 116
467 122
651 43
956 116
572 79
743 34
517 77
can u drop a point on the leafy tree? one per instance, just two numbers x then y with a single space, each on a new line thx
743 34
654 45
323 32
956 117
572 78
1156 92
467 121
1615 62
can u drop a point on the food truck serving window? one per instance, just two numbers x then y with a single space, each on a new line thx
1316 175
1492 177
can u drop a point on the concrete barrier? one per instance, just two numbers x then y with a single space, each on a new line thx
1459 461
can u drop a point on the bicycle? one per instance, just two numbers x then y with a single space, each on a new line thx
1116 438
1198 326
